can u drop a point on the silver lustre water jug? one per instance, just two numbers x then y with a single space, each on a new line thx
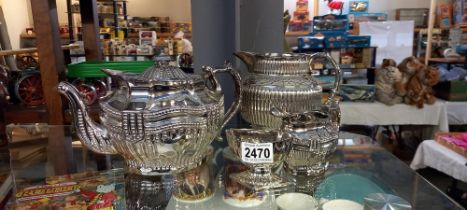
282 81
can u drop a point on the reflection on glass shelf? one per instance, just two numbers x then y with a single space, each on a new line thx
40 150
359 167
345 142
353 139
130 55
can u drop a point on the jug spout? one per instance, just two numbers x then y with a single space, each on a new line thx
93 135
248 58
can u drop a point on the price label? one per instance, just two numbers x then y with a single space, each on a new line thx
257 153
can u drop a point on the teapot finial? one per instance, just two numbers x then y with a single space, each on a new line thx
162 61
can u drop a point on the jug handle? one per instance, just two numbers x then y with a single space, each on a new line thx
337 68
238 88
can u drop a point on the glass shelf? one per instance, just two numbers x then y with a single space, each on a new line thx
358 167
111 1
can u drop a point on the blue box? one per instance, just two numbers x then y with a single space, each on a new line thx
333 39
358 41
310 42
358 6
332 42
362 17
335 23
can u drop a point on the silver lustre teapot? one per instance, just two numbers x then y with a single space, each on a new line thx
282 81
160 121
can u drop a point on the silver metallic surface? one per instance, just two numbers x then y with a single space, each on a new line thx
283 81
314 137
147 192
160 121
260 175
381 201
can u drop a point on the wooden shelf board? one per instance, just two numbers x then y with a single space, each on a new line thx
33 49
33 36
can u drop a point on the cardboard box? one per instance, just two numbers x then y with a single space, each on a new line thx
331 23
359 6
358 41
147 38
367 57
310 42
451 90
445 15
457 142
357 92
333 39
356 19
301 15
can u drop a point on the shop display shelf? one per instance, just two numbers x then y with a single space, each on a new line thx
359 167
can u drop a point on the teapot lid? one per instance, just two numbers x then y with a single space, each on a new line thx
158 88
161 73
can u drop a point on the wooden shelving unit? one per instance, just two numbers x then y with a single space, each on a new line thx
51 60
33 36
32 50
15 113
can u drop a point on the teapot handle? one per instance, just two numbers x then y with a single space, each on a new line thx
216 87
337 83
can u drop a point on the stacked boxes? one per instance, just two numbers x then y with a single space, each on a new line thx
178 26
444 14
158 24
301 17
460 12
331 31
333 28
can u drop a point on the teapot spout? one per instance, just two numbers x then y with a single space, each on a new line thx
93 135
248 58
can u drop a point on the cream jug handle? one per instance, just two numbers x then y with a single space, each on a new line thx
337 68
238 88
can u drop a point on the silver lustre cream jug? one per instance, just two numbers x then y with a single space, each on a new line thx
161 121
282 81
